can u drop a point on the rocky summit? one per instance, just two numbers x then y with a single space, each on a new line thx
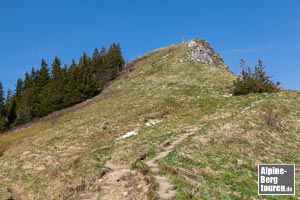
201 51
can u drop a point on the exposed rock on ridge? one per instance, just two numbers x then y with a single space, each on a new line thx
195 50
201 51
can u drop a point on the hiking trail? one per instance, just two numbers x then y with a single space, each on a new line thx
166 189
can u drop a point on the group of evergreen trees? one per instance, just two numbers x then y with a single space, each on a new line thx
47 89
254 80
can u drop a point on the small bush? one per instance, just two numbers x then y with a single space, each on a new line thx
254 81
272 117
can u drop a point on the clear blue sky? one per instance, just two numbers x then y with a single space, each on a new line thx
248 29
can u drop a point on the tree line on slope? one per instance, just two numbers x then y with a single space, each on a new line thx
48 89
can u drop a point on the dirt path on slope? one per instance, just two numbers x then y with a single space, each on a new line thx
118 183
122 183
166 189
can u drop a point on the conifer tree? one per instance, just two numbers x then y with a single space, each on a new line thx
28 98
2 109
10 107
103 51
2 105
25 96
96 58
30 78
72 95
41 88
56 69
87 80
55 88
102 71
42 76
19 89
116 61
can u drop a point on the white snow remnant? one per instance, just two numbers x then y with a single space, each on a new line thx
227 95
152 122
251 106
128 134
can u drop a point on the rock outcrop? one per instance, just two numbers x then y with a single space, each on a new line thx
201 51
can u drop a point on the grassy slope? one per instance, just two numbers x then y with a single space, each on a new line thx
56 157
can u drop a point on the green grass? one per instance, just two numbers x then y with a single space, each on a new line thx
10 137
223 156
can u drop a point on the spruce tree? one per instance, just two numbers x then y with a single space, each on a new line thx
41 88
2 109
103 51
115 60
42 76
24 105
10 107
56 69
30 78
19 88
56 86
87 81
72 95
102 70
2 99
25 97
95 58
28 96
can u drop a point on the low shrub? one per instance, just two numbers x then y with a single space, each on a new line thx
254 80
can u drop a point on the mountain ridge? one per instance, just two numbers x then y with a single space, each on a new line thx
197 50
165 94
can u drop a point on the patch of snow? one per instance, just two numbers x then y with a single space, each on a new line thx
244 110
227 95
148 124
41 168
26 153
251 106
128 134
152 122
165 56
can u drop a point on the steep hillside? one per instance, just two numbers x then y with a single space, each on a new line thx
192 137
